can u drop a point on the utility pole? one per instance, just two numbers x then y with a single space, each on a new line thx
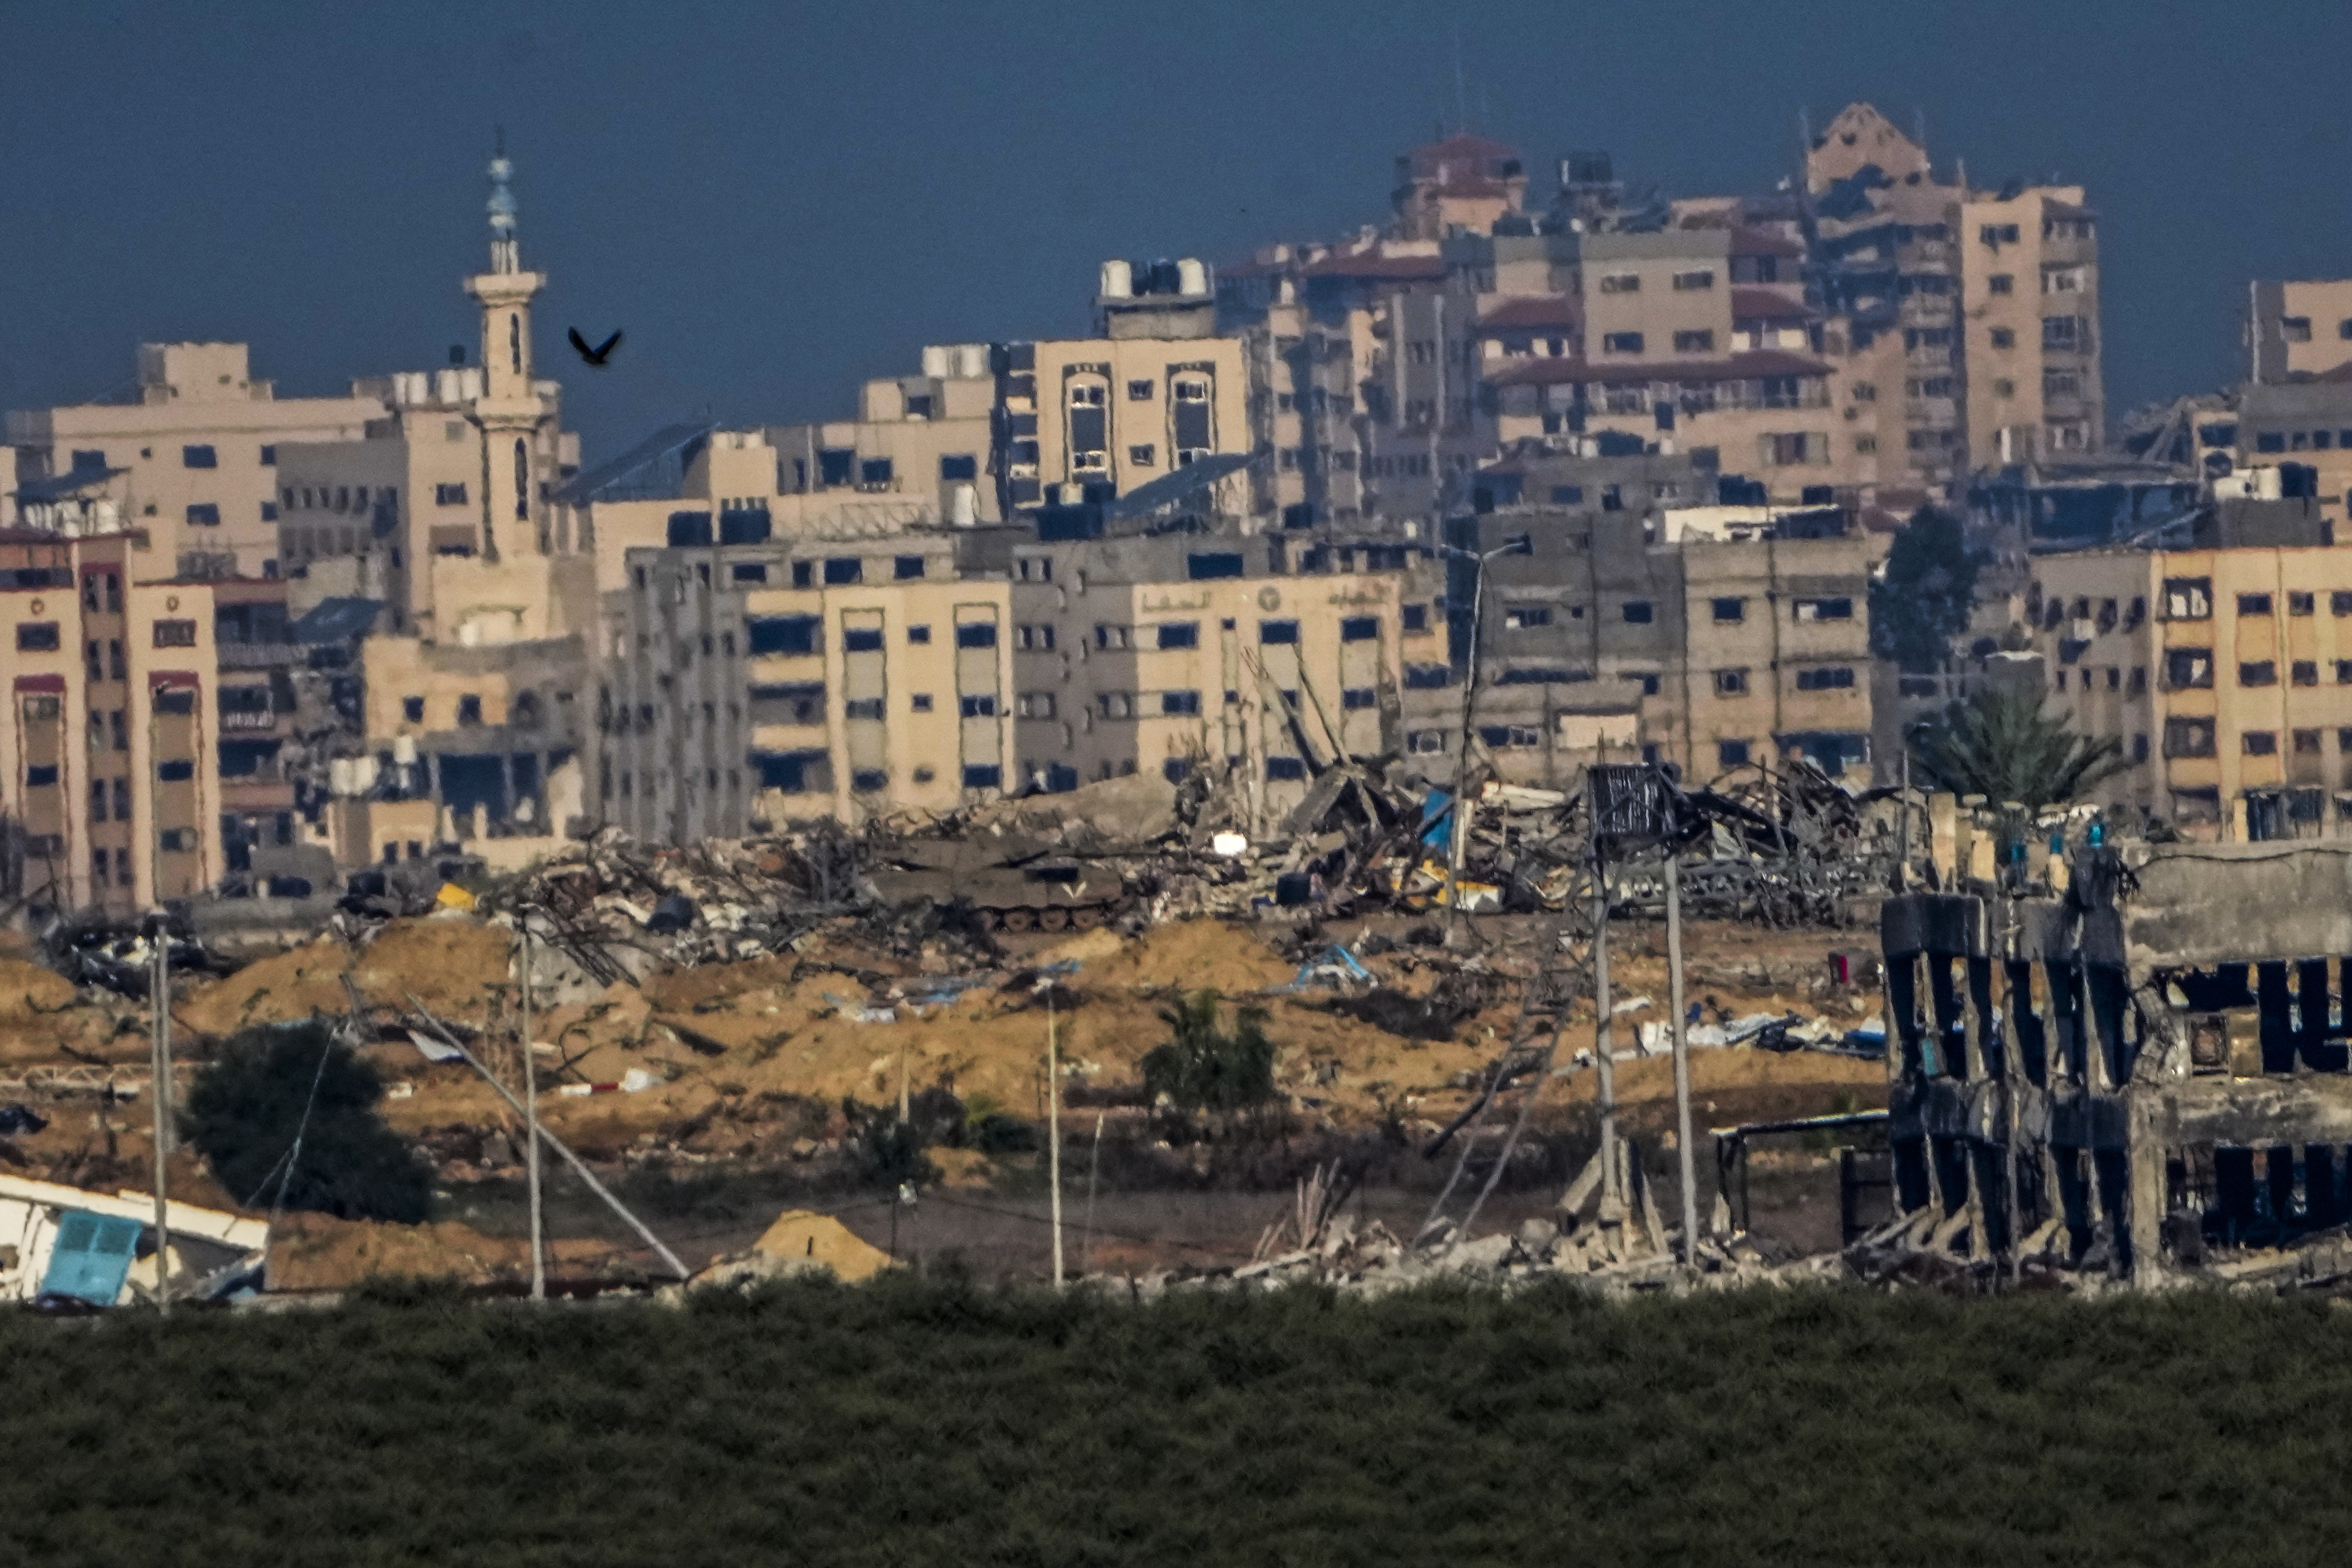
158 1093
1605 1033
1682 1054
1053 1127
530 1116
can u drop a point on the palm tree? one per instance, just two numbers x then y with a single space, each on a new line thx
1207 1068
2002 746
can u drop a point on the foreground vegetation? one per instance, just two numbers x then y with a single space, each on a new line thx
919 1422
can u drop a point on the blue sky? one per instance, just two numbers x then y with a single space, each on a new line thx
775 201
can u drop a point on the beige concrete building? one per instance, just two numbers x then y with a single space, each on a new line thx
110 779
917 451
1652 630
2029 299
190 459
770 682
2225 674
1097 417
2298 328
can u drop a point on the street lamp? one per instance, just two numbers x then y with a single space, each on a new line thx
1458 842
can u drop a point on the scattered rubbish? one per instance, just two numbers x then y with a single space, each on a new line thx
452 897
14 1119
1232 846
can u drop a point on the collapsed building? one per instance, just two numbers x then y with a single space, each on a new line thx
2146 1075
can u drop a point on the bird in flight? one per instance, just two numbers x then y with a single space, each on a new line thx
600 353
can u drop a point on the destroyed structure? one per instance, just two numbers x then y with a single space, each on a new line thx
2143 1077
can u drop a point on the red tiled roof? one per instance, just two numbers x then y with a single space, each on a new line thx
1372 265
1768 305
1737 367
1532 310
1745 241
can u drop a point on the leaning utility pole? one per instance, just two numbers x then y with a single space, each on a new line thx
530 1116
158 1090
1682 1053
1604 1036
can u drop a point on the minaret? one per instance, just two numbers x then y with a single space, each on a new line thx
515 450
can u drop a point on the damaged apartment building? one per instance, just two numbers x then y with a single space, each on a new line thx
763 682
2142 1072
1621 612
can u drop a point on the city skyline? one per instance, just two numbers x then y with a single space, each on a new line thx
762 321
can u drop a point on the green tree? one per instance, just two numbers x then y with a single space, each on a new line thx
1204 1068
268 1084
1921 602
2002 746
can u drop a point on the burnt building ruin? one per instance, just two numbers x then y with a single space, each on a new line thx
2148 1073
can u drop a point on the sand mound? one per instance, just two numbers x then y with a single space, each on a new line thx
452 963
28 991
801 1240
316 1253
1191 954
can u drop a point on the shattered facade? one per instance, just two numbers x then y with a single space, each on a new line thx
2147 1074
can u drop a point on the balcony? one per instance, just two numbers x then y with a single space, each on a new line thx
254 655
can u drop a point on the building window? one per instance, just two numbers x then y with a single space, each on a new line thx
1034 704
1730 682
449 495
2001 283
1698 342
863 707
2253 604
1140 455
1828 678
38 637
1687 281
842 570
1730 611
1621 283
1036 639
1808 610
1281 769
1277 631
918 634
2296 328
198 457
874 474
919 703
1179 633
2257 672
2261 742
204 515
983 776
905 566
1637 611
1523 617
976 634
1620 343
1414 616
1731 754
2188 737
1356 698
413 709
1360 629
1138 391
2063 333
2303 672
981 706
959 466
1179 705
2003 337
2306 742
175 633
869 780
1115 704
1089 427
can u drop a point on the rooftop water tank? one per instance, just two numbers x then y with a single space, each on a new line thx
1117 280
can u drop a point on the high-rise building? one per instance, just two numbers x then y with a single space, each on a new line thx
110 776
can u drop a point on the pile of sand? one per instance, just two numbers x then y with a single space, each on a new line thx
316 1253
453 964
808 1242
